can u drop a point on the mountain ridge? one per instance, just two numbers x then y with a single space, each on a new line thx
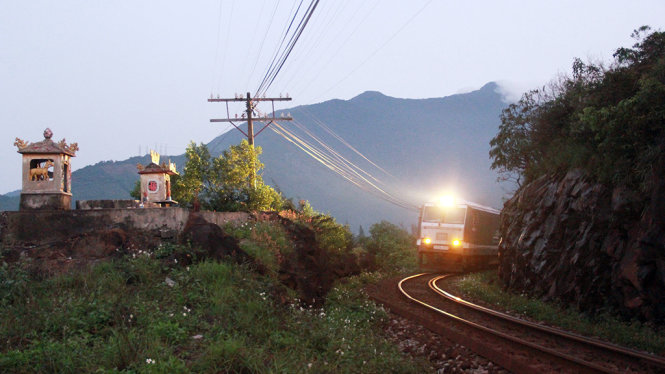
424 144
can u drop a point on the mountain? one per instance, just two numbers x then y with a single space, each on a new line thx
424 145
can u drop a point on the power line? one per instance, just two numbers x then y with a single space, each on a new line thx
327 129
258 56
251 41
279 47
275 69
335 51
219 27
377 49
341 166
226 43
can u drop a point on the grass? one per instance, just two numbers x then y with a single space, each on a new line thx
124 316
485 286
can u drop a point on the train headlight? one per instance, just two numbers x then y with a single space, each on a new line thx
447 201
456 242
427 241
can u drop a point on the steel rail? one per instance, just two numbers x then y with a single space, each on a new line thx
502 335
628 352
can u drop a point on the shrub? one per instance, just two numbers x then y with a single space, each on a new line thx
394 248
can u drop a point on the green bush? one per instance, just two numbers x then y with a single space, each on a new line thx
393 247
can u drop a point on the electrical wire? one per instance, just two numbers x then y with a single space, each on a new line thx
308 142
327 129
245 64
279 47
376 50
341 166
312 41
275 68
226 43
214 63
265 35
334 51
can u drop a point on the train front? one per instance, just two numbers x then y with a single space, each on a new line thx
441 233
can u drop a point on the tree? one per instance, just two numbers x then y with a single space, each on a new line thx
231 182
511 149
393 247
196 175
236 182
136 190
607 121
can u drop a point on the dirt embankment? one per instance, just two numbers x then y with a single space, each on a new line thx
70 241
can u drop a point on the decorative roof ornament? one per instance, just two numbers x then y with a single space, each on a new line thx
71 148
155 167
155 157
47 145
20 143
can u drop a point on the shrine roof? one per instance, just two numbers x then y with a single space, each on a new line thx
47 146
153 168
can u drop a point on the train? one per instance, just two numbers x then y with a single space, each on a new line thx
457 235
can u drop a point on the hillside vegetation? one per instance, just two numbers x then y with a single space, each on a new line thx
609 121
586 227
172 308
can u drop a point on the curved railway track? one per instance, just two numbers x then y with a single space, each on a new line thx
544 348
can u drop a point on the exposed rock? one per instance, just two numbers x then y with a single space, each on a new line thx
211 239
584 244
310 270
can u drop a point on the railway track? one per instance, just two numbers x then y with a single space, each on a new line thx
523 346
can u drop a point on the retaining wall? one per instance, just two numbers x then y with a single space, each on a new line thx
43 227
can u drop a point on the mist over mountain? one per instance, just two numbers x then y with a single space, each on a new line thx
423 146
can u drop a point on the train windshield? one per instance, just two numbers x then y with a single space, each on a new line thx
444 214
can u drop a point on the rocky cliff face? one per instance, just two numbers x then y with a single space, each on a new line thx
581 243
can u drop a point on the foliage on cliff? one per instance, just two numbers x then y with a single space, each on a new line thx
606 120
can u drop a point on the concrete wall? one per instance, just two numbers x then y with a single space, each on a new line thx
45 201
109 204
43 227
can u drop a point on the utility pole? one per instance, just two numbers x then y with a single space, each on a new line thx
250 117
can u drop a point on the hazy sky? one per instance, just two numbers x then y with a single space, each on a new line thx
120 76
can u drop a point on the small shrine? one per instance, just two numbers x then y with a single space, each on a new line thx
156 181
47 173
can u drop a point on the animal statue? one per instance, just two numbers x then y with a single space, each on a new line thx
20 143
40 173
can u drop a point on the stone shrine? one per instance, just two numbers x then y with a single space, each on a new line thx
46 173
156 181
